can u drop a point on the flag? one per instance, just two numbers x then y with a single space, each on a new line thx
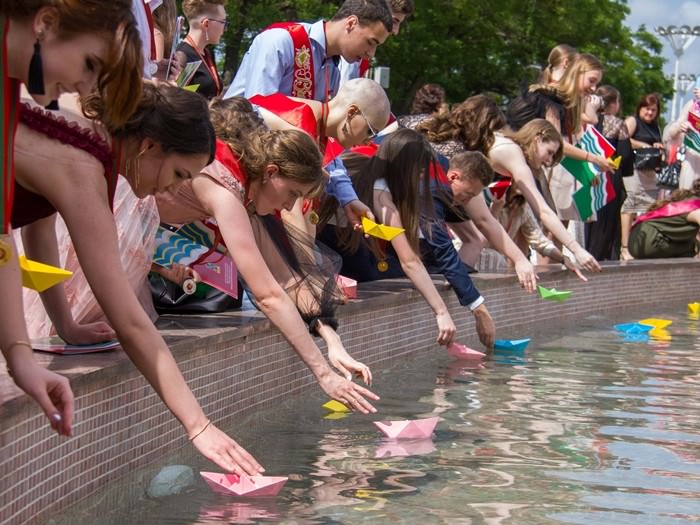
692 138
594 143
590 199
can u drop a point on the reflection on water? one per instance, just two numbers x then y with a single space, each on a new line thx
582 428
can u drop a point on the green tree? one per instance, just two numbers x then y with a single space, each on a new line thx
480 46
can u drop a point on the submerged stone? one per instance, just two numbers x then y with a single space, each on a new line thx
171 480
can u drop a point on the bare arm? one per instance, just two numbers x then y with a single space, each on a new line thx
81 198
40 244
413 267
273 301
498 238
509 159
51 391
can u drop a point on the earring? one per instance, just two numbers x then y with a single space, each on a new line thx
206 34
35 81
133 168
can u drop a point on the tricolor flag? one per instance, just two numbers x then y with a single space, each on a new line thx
594 143
590 199
692 138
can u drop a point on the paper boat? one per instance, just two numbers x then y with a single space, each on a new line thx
635 338
381 231
242 485
694 308
464 352
656 323
552 294
499 188
39 276
408 429
515 345
406 447
633 328
336 415
660 334
335 406
349 286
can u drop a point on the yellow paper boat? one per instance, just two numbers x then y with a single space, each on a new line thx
39 276
380 231
656 323
192 87
694 308
660 334
335 406
616 161
335 415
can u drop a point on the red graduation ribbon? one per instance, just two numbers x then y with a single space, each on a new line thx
10 111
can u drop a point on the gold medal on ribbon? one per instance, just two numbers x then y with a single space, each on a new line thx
5 252
313 217
382 266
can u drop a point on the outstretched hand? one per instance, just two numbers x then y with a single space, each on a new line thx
218 447
51 391
87 334
347 366
350 394
355 210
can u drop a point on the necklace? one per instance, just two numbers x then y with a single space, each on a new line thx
206 60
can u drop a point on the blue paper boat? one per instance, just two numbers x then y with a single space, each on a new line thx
635 338
633 328
514 345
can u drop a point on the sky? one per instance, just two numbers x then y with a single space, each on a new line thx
654 13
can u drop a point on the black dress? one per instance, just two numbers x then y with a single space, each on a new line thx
208 86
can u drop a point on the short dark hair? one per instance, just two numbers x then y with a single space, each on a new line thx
405 7
651 99
473 164
367 12
428 99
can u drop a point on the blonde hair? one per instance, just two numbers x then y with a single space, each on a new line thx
568 86
525 138
557 56
195 8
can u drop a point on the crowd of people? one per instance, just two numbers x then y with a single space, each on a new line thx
282 167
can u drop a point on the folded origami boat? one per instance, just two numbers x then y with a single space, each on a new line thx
464 352
633 328
515 345
242 485
552 294
408 429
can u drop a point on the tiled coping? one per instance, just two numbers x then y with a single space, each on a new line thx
236 363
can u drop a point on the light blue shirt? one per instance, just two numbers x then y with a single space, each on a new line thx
348 71
268 65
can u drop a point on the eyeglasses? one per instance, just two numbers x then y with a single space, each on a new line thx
224 22
371 133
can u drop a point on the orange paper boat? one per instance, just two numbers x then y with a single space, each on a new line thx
408 429
464 352
242 485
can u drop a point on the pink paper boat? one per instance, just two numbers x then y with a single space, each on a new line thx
408 429
464 352
393 448
233 484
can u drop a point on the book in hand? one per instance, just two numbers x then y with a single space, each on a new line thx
185 76
56 345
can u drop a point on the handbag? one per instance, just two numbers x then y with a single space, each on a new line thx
647 159
169 298
670 172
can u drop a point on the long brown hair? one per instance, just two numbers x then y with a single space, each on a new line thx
472 123
404 160
120 80
526 137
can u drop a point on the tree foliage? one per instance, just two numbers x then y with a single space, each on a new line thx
481 46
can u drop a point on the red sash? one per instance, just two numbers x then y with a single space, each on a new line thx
298 114
670 210
10 112
303 82
364 66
